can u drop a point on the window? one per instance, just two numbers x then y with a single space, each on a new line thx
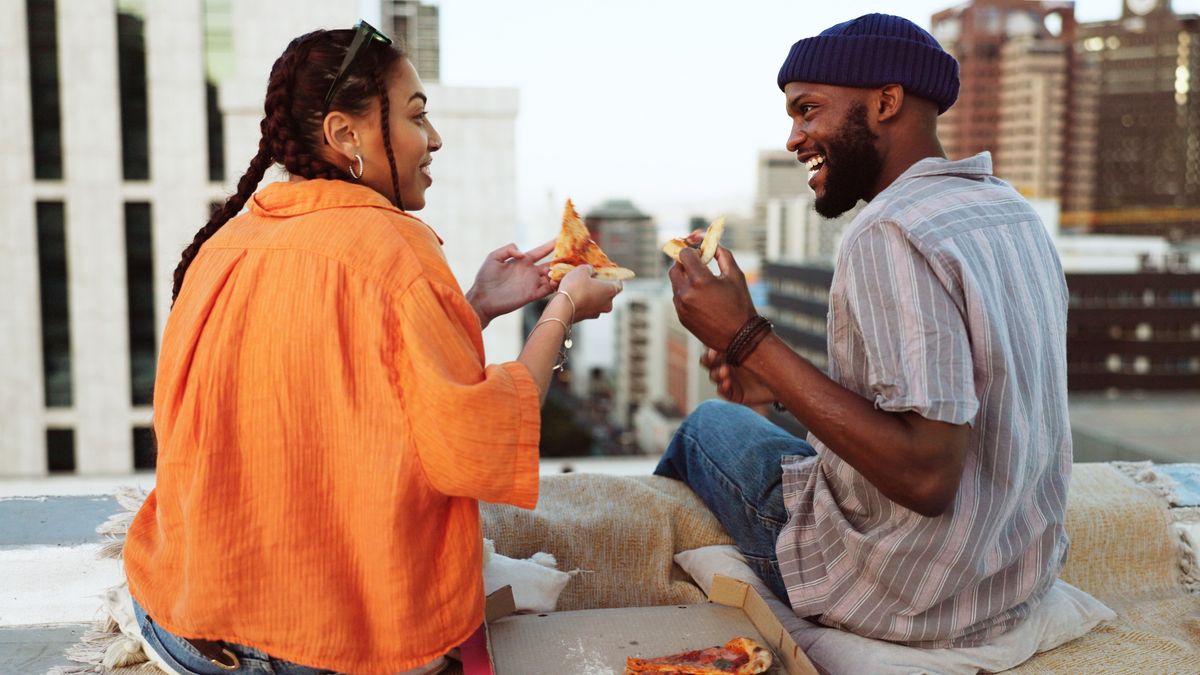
56 317
139 276
60 450
43 85
145 449
131 71
216 135
218 66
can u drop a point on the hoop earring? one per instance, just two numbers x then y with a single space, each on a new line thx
360 168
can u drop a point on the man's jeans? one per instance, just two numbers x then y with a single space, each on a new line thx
729 455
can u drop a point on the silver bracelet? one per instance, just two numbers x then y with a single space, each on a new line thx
561 360
569 299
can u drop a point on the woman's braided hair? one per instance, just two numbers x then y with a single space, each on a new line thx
294 113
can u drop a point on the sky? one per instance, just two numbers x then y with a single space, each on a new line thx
664 102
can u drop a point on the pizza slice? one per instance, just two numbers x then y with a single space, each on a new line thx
739 656
575 247
706 244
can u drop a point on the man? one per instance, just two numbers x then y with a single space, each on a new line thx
927 506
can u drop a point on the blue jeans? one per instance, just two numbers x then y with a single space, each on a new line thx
184 659
729 455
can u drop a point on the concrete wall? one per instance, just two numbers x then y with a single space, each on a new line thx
22 431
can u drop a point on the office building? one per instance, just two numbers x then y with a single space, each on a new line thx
627 236
640 321
778 177
1144 66
1031 135
141 115
1134 326
414 25
975 33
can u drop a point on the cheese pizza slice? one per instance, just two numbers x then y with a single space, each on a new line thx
706 244
575 247
739 656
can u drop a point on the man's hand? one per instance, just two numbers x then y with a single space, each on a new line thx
509 280
737 385
711 307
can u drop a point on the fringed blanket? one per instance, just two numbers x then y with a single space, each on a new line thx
1132 546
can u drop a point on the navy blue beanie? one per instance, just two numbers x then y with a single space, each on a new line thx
874 50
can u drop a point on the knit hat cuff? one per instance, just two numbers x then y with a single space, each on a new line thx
872 61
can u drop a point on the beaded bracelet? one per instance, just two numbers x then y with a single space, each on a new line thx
746 339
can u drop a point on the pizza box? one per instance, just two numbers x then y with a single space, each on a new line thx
596 641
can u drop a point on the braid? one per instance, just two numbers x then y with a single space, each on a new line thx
288 143
274 128
387 138
246 186
291 125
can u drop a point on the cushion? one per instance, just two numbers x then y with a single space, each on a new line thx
1064 614
620 533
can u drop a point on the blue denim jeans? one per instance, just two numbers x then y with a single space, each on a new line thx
729 455
184 659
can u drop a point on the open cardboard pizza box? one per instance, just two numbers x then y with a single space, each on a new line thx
596 641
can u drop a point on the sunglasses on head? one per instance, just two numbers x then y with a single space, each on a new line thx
364 34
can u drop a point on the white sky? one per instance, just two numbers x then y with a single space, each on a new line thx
665 102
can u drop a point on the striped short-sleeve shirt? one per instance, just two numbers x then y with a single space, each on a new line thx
948 300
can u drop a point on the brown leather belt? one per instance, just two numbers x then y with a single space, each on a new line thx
216 653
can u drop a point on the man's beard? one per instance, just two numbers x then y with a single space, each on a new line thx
852 165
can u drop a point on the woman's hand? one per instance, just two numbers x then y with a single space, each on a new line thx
592 297
509 280
737 385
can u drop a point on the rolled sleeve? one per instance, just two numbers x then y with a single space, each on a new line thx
913 334
476 428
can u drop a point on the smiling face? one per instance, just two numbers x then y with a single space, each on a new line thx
832 137
413 139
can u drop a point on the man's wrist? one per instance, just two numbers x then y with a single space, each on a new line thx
747 339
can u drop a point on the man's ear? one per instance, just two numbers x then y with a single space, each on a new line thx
889 100
340 135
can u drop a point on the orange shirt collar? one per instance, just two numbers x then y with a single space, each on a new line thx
287 199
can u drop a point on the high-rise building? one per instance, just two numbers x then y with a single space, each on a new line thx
1145 67
627 236
142 114
1133 329
791 228
975 34
795 231
639 376
1031 138
414 25
779 177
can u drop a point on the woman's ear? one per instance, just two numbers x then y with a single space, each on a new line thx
888 101
340 134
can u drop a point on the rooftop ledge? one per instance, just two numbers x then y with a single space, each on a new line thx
53 579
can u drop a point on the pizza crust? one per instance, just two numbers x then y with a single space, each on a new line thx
712 239
559 270
708 247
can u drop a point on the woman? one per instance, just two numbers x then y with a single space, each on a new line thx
324 416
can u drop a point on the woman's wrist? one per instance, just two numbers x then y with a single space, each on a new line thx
476 304
560 307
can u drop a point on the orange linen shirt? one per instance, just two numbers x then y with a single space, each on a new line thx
325 425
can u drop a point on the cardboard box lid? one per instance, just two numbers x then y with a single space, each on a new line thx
597 641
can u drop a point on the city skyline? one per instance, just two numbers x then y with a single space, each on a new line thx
670 142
